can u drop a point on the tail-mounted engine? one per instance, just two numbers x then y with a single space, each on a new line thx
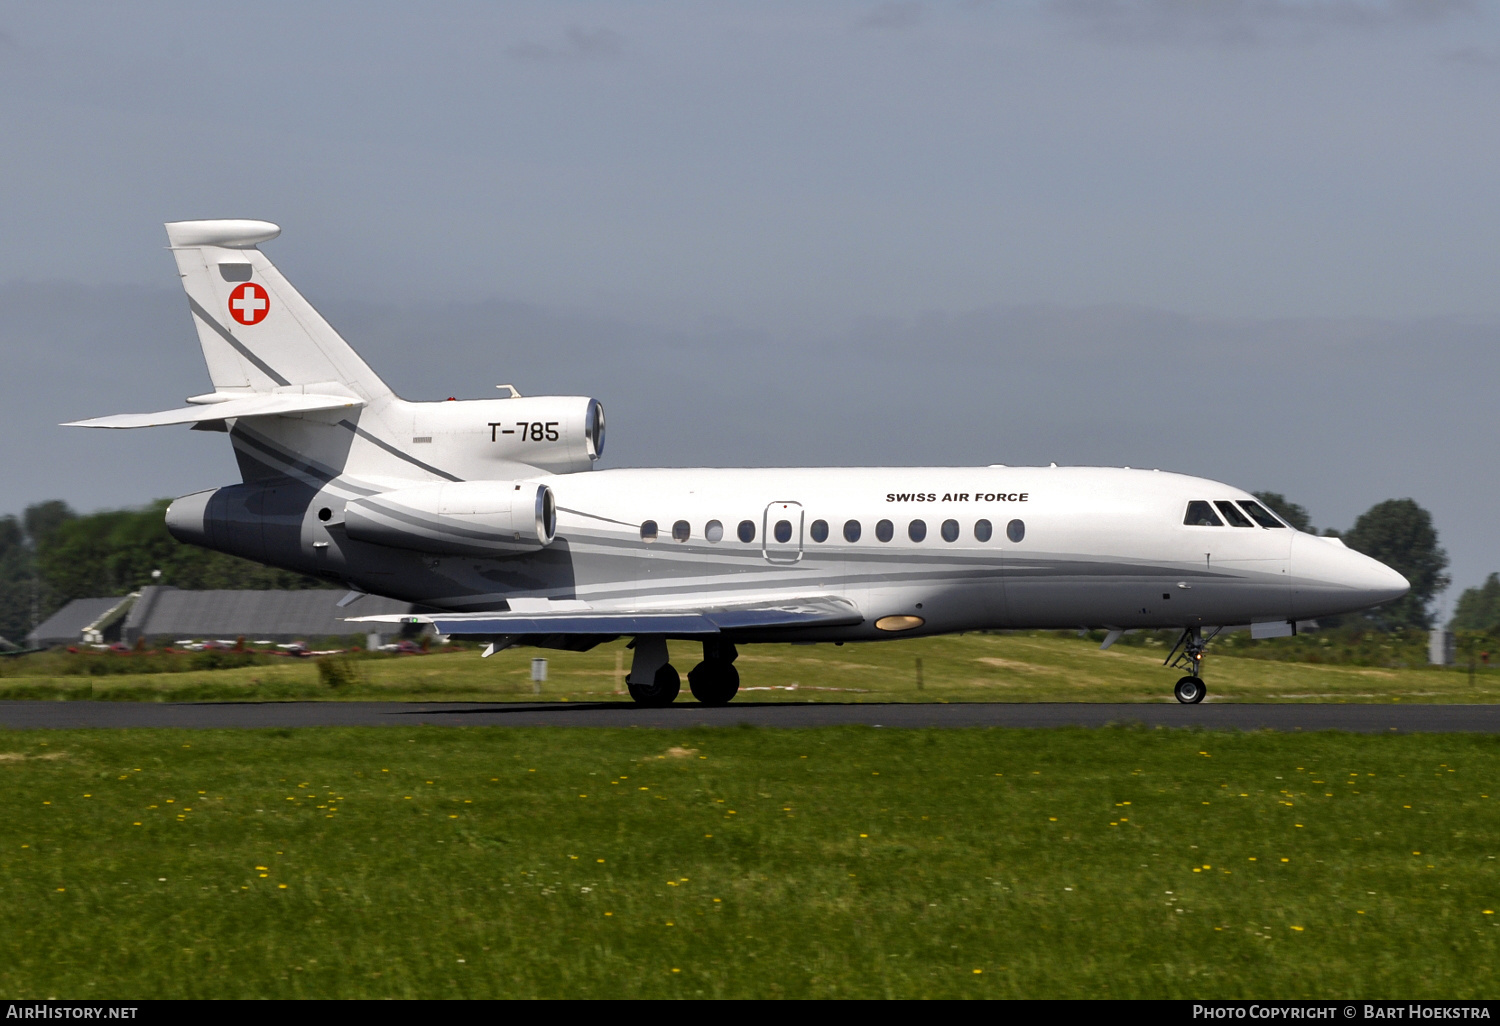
559 434
468 518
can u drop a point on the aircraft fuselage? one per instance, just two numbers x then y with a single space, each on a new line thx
950 548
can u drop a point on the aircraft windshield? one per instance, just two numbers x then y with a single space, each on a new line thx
1201 514
1260 514
1233 515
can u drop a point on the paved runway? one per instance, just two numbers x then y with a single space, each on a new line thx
1360 718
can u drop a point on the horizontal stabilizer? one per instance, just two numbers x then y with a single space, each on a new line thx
819 611
262 404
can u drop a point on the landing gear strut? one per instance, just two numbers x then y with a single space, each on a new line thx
1190 689
653 681
715 680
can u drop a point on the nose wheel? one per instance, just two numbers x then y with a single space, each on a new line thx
1188 654
1190 690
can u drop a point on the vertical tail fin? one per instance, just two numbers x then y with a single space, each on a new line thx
258 333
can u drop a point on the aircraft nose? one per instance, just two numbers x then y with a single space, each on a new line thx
1385 584
1330 578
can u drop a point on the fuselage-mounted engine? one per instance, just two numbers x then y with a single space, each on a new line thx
465 518
485 438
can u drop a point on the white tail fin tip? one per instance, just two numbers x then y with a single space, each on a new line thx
236 233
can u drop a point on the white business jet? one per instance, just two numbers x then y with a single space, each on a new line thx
488 515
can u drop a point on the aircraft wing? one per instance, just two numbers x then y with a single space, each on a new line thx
265 404
815 611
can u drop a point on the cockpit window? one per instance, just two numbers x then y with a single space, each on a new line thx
1260 514
1232 514
1201 514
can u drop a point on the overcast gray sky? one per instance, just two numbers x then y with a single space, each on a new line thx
1251 239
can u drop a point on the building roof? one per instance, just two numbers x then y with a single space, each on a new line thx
65 627
163 612
170 613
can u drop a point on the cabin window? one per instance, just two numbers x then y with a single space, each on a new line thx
916 530
851 530
983 530
950 530
747 531
1260 514
648 531
1201 514
783 531
1015 531
820 530
1233 515
681 531
713 531
885 530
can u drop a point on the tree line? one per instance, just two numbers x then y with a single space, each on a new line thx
50 555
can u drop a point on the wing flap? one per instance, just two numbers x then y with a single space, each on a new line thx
264 404
819 611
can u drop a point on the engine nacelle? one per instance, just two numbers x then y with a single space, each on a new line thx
467 518
560 434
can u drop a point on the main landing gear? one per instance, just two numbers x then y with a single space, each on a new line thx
715 680
653 681
1190 689
663 689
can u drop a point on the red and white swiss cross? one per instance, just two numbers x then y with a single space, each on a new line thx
249 303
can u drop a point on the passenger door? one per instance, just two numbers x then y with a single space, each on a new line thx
781 532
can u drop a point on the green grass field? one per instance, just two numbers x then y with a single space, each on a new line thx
853 862
959 668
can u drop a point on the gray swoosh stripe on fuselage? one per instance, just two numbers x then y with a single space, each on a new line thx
388 447
751 551
672 555
291 464
594 516
707 585
666 554
432 521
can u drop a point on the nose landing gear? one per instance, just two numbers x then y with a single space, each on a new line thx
1190 689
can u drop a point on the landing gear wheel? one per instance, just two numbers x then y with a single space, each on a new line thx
1190 690
661 691
714 682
